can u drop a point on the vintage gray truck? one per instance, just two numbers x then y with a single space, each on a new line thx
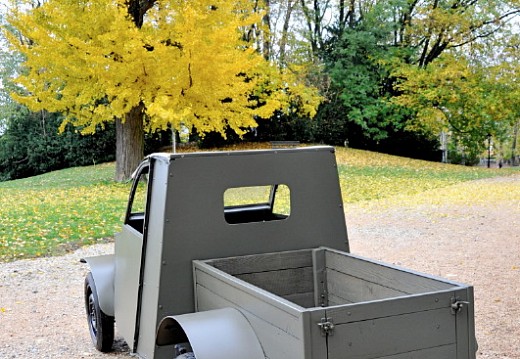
245 255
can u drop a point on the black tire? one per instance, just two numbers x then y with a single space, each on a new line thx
100 325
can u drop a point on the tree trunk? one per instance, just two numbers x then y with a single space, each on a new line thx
312 30
513 146
285 32
351 16
130 132
129 143
267 35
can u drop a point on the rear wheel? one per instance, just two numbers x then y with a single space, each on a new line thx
101 326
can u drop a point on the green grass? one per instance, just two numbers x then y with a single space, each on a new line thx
366 176
59 211
67 178
56 212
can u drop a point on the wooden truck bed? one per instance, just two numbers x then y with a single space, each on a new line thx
323 303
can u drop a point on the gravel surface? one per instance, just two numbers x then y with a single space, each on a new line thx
41 301
474 241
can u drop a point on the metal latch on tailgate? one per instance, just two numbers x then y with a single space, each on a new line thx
327 326
457 305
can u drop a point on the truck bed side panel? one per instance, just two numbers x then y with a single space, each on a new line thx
376 338
278 326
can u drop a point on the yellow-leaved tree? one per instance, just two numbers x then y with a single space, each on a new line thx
148 65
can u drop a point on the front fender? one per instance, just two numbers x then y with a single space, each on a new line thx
103 272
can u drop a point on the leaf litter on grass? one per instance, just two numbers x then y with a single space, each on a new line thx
367 176
45 215
42 217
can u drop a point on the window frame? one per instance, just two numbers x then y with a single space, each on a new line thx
131 218
255 212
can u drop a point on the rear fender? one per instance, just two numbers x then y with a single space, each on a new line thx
214 334
103 271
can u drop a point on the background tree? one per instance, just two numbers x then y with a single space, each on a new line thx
29 141
505 70
31 145
373 48
151 65
9 67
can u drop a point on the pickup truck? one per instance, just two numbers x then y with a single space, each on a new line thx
245 255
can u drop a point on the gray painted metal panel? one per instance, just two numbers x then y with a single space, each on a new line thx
215 334
195 196
103 269
128 247
151 311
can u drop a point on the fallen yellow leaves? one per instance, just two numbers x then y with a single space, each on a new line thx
56 212
39 222
486 192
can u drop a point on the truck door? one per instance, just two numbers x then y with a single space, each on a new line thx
129 254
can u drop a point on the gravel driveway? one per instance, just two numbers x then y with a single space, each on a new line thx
472 239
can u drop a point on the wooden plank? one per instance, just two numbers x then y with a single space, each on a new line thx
370 339
304 300
355 312
355 290
442 352
263 262
315 342
282 282
276 343
383 274
200 267
336 301
275 310
473 346
466 343
320 278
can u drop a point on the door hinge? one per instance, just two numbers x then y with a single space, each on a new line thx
326 326
457 305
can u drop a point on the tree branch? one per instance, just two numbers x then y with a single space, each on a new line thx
138 8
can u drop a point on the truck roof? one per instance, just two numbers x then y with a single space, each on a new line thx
168 155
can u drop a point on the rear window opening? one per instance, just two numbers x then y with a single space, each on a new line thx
257 204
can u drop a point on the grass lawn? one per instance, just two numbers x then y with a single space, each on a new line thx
56 212
367 176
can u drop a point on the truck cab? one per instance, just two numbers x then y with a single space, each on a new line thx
184 207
